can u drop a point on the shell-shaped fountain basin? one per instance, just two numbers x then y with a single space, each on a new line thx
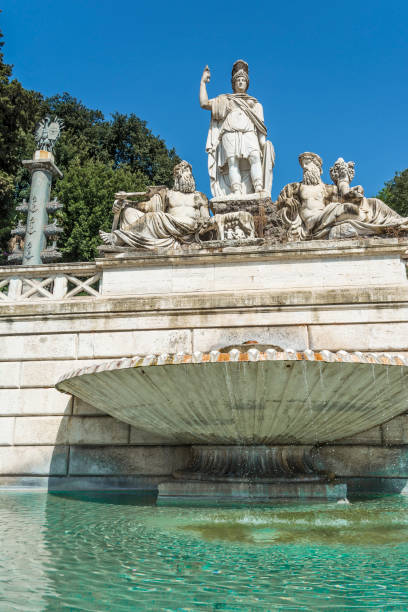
247 396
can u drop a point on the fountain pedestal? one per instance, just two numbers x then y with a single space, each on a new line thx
250 474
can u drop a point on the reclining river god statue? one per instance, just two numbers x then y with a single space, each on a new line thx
311 209
167 219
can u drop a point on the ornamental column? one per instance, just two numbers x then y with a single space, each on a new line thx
38 229
42 170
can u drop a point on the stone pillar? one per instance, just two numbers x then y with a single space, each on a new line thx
37 230
42 170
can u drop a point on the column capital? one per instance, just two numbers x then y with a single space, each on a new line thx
42 164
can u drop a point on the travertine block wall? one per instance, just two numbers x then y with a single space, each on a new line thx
48 440
44 433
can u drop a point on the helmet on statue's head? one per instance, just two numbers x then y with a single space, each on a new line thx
239 69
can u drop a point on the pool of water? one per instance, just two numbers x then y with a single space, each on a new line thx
120 552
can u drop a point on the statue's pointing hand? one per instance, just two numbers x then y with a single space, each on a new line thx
206 75
121 195
117 206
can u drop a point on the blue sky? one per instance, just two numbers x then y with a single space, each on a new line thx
332 76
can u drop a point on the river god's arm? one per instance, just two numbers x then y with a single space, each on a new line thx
331 194
202 201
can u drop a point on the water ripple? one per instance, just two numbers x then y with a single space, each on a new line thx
113 553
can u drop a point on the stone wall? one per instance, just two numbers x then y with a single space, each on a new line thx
293 297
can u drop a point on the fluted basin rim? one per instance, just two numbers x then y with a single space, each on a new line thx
235 355
247 396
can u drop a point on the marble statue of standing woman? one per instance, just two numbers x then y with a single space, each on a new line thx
240 159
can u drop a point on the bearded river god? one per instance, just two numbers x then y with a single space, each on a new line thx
240 159
169 218
313 210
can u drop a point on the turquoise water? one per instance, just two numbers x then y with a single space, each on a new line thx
120 552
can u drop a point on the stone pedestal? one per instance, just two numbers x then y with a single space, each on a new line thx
245 491
261 208
249 474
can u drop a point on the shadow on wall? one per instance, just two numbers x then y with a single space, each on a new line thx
364 462
95 452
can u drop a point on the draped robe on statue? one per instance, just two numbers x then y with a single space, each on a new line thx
155 228
235 128
374 216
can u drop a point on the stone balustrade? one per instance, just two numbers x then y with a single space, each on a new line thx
49 282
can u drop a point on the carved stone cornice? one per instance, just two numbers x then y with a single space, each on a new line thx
42 164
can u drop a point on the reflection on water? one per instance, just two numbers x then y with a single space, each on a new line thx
356 525
120 552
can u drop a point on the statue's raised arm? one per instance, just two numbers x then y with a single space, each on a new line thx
204 101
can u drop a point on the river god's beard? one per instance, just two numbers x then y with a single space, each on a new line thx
184 182
311 176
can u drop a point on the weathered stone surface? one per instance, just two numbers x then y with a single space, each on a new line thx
56 346
371 436
46 373
110 483
254 275
35 460
256 206
194 491
6 430
365 461
252 309
357 486
372 337
34 401
396 430
97 430
323 305
138 436
24 482
9 374
149 483
41 430
247 396
123 344
152 281
83 483
110 460
85 409
286 337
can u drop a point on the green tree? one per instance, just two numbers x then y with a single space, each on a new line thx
130 143
395 193
98 158
87 190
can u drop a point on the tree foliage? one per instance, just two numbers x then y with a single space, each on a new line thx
395 193
88 188
96 155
